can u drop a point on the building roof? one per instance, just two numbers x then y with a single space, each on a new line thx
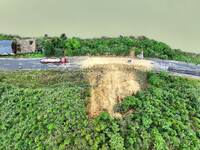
5 47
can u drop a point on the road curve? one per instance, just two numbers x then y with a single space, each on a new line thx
177 67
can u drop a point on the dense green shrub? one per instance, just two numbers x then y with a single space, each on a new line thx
47 110
121 46
59 52
52 46
166 115
155 49
73 43
8 37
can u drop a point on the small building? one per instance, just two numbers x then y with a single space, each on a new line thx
17 46
24 46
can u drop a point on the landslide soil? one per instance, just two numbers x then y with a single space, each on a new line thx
110 84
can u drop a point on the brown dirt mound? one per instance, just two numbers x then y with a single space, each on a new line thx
110 84
138 64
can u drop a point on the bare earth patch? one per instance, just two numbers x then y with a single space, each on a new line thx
110 84
112 79
139 64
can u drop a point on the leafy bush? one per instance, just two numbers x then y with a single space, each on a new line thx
34 115
163 116
52 46
59 52
49 112
121 46
8 37
47 47
72 44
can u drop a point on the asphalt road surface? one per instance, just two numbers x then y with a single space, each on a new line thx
174 67
34 64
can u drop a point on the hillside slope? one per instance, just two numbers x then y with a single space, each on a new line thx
116 46
120 46
48 110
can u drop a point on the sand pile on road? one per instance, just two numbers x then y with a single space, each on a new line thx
139 64
110 84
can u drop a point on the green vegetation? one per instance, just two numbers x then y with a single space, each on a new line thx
8 37
26 55
30 55
121 46
165 116
47 110
41 110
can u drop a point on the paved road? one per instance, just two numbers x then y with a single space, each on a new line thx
34 64
175 67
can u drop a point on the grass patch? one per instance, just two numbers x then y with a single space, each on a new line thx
40 79
28 55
